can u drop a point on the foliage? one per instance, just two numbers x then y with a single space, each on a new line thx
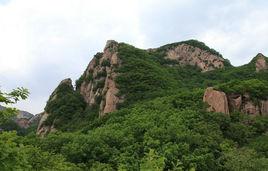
11 98
140 76
255 88
105 63
152 161
64 105
79 82
16 156
162 125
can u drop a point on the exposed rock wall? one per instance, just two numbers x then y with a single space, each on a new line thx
218 101
101 89
190 55
261 63
264 107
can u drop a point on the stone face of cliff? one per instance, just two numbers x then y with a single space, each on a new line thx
218 101
99 87
189 55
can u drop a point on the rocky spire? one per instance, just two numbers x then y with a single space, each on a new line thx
261 63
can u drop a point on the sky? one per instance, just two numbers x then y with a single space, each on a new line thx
45 41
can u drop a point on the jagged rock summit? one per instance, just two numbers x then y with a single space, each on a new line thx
261 63
98 85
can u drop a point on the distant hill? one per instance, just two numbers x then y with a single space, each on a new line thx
22 117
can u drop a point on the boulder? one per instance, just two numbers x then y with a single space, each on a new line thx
217 101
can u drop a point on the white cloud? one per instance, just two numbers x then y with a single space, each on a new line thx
37 36
239 33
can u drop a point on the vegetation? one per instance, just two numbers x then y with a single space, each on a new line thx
194 43
255 88
106 63
163 123
11 98
63 108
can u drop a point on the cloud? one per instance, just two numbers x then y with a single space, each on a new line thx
45 41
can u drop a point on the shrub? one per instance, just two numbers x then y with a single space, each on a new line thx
105 63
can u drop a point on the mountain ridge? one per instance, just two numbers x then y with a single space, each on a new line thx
113 78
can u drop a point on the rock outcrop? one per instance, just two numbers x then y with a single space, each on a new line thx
219 101
261 63
189 55
98 86
216 100
264 107
43 129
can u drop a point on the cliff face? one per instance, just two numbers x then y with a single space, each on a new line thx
218 101
189 55
98 86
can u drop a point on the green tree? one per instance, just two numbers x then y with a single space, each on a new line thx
152 162
11 98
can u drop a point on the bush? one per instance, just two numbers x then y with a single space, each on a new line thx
105 63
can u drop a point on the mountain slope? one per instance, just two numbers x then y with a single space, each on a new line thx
22 118
123 75
178 107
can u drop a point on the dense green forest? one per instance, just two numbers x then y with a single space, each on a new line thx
163 123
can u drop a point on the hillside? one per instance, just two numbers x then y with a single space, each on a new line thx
181 106
22 118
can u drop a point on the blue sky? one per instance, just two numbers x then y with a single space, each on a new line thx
45 41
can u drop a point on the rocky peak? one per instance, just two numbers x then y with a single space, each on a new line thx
110 44
98 85
67 81
189 55
261 63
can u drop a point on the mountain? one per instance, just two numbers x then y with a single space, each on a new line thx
120 62
181 106
122 75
